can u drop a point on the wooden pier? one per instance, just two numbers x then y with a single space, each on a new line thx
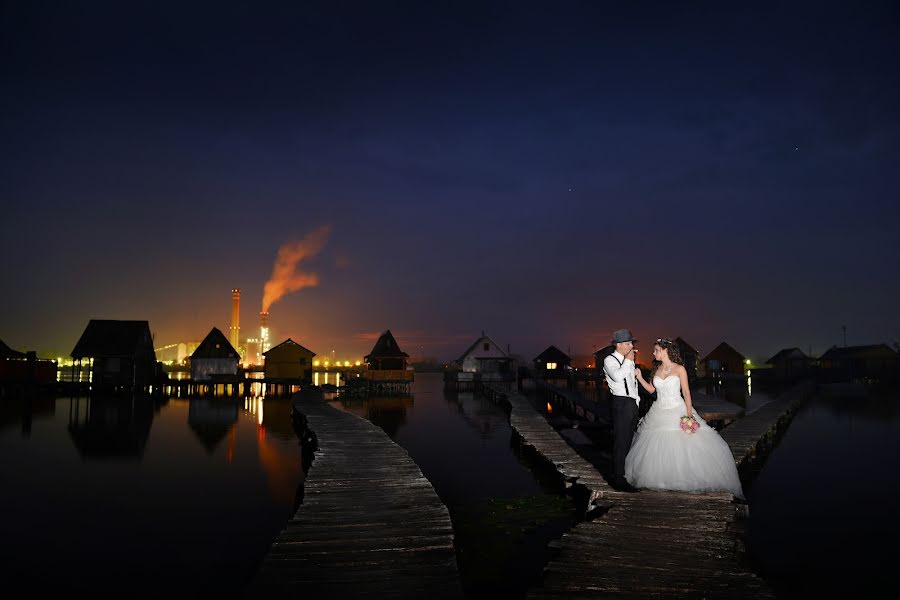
716 411
651 543
370 524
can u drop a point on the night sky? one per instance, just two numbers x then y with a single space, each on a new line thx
545 172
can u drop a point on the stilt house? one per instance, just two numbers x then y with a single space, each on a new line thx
119 354
215 357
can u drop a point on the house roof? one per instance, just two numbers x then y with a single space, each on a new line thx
786 353
723 347
215 345
870 351
112 338
288 342
684 346
386 347
7 352
553 354
608 349
478 344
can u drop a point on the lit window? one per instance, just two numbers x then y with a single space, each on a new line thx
551 365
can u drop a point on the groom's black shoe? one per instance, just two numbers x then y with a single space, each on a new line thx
623 486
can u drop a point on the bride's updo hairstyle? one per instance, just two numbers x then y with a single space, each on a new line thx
672 349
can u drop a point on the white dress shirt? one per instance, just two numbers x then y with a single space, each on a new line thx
620 377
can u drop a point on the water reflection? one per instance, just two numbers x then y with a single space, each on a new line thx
175 516
21 410
826 499
503 514
388 412
480 414
211 418
111 427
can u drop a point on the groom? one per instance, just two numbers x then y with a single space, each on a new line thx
618 368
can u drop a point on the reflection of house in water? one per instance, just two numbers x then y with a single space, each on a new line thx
480 414
277 417
211 419
388 412
24 408
105 427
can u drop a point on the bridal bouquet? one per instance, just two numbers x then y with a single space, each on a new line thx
689 424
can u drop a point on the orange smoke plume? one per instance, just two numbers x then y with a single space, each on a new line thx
285 276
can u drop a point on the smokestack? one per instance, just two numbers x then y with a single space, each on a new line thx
264 330
235 337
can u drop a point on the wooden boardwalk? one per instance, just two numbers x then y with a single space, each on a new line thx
755 431
649 544
708 407
370 526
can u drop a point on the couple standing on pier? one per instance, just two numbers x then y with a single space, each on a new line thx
662 453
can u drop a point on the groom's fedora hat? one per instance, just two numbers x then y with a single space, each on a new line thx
622 335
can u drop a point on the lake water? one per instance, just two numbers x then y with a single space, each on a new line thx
184 496
503 512
823 519
172 497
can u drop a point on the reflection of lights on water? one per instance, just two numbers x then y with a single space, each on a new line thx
325 378
254 406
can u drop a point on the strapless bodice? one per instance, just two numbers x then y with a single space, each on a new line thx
668 391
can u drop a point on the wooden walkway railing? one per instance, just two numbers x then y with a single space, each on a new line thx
370 525
646 544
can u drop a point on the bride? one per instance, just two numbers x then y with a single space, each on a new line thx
663 455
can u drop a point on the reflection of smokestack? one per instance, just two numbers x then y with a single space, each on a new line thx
235 337
264 330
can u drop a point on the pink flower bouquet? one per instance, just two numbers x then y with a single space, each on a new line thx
689 424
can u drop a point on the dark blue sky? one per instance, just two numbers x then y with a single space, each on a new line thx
544 171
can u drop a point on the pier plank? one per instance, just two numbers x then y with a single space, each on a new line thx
370 525
659 544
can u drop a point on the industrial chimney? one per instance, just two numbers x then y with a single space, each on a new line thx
235 337
264 331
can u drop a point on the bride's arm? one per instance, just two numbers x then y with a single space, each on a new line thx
685 390
640 377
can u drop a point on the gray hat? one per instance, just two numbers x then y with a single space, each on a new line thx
622 335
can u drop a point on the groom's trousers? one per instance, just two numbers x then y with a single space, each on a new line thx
625 418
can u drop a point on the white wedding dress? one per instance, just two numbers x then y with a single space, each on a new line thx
662 456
